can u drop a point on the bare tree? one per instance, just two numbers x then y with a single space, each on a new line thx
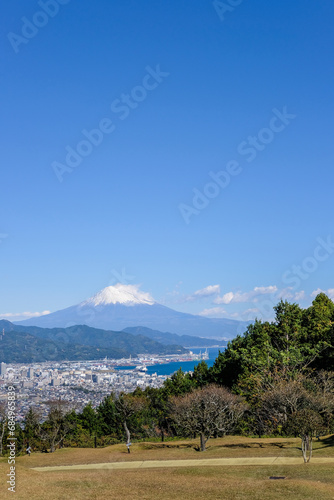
56 427
307 423
303 407
207 411
127 406
281 399
324 382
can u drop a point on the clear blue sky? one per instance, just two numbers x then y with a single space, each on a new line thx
223 74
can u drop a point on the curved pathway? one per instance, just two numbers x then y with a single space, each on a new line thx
152 464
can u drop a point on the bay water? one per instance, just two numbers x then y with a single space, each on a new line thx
186 366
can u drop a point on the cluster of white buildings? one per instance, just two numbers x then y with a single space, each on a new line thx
77 382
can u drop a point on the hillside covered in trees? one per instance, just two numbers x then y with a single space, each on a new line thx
29 344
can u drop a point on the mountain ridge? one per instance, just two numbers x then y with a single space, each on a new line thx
123 306
21 343
167 338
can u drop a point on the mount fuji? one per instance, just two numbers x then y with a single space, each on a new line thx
123 306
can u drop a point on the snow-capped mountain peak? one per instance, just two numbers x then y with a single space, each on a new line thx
122 306
128 295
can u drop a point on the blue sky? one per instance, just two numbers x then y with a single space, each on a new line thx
213 168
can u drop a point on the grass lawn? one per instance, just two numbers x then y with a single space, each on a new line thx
304 481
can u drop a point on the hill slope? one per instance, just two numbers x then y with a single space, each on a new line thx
23 344
167 338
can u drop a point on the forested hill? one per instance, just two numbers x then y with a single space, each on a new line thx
297 340
23 344
168 338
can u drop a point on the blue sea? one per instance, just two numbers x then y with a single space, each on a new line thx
170 368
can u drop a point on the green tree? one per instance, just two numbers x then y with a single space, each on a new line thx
245 355
318 321
88 419
107 423
129 409
179 383
294 342
287 326
200 375
32 427
158 409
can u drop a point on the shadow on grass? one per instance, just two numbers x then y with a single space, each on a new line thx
154 446
328 441
256 445
283 445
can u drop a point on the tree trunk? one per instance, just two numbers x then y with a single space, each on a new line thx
307 446
203 441
127 432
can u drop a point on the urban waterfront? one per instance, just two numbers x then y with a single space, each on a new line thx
81 382
169 368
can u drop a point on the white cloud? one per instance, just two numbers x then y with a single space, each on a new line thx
299 296
23 315
254 312
208 291
214 312
316 292
288 294
329 292
227 298
262 290
239 297
285 294
251 314
235 315
176 290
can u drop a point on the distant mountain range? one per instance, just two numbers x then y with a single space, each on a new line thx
122 306
28 344
171 338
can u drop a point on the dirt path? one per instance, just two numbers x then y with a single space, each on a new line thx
152 464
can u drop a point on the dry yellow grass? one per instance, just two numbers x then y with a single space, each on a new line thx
246 483
304 482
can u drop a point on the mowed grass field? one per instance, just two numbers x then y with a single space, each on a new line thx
304 481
